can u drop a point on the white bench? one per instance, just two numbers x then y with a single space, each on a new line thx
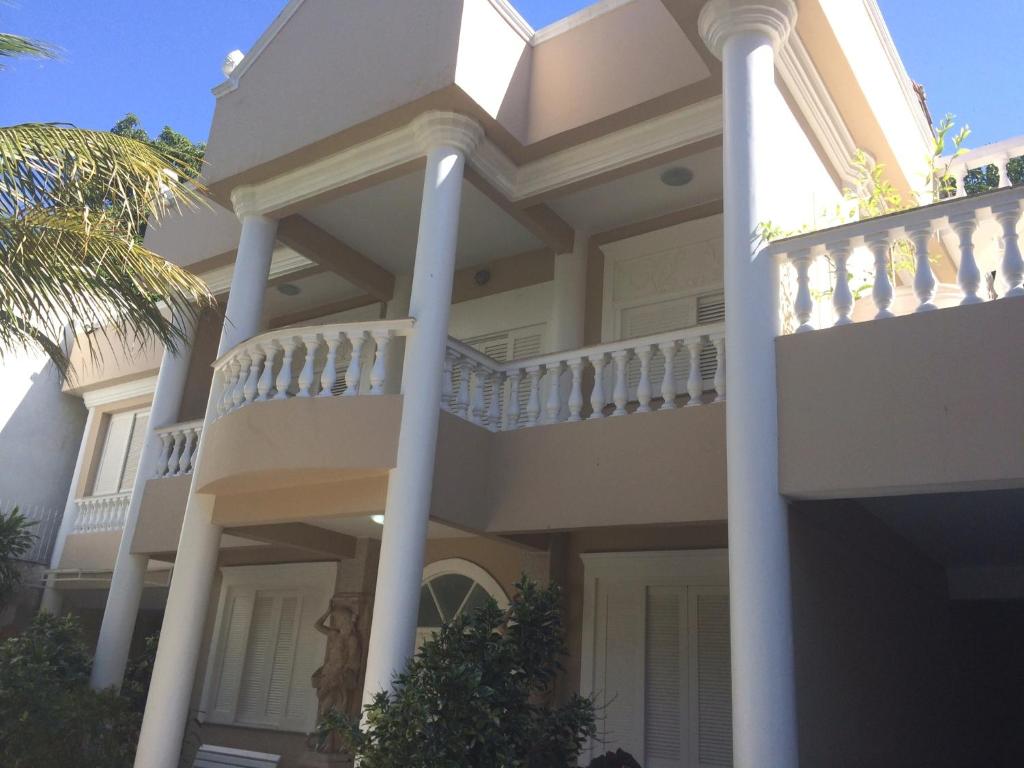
224 757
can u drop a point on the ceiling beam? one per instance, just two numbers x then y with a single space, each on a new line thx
310 538
323 248
542 222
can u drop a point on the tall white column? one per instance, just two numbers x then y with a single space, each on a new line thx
129 576
163 725
446 140
745 34
568 301
51 602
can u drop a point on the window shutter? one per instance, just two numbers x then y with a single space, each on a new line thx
236 635
270 657
711 678
710 310
664 676
111 464
140 430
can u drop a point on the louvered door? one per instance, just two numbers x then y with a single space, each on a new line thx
711 678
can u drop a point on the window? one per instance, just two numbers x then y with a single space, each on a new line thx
450 588
122 447
266 646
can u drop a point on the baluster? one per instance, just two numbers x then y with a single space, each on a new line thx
533 402
881 293
354 372
311 341
477 410
266 382
668 381
961 181
514 377
494 406
842 296
284 376
719 342
255 369
803 305
924 280
238 391
968 276
227 389
553 404
462 398
643 387
446 381
576 388
597 396
695 379
379 372
330 372
165 454
619 394
1012 266
174 465
186 452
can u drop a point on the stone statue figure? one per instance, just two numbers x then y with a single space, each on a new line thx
337 681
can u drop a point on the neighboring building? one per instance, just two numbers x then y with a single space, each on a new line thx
480 286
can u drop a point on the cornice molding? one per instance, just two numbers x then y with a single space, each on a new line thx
815 104
721 19
435 129
124 391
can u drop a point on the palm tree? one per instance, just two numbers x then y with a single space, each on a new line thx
72 205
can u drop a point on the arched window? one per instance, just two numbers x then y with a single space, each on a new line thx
450 588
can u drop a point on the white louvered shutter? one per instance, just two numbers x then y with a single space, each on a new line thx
710 310
270 656
711 680
619 682
140 428
111 463
665 673
235 635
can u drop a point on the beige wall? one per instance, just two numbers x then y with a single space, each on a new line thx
872 644
923 403
90 551
101 361
161 514
200 370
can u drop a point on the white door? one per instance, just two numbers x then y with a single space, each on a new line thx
656 656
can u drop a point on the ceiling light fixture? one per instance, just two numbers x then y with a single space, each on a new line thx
289 289
378 519
678 176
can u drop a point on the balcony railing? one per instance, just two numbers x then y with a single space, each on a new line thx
95 514
319 361
179 444
906 235
999 155
653 373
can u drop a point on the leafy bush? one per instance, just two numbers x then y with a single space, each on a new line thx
476 696
15 540
617 759
49 717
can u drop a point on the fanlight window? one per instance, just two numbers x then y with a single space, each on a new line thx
450 589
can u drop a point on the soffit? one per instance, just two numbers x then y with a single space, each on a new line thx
364 527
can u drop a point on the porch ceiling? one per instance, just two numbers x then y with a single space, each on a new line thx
364 527
382 222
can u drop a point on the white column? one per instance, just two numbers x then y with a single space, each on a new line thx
446 140
163 725
129 576
745 35
51 602
569 293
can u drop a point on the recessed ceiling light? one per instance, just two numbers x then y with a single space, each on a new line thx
679 176
378 519
289 289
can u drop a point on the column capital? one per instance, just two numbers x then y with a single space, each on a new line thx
244 201
721 19
447 129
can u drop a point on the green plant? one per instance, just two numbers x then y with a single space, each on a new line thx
617 759
477 696
48 714
15 540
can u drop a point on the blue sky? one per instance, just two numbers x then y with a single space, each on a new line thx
161 62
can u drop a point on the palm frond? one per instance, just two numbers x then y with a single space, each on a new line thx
80 270
16 45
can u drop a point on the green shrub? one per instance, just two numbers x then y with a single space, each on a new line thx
617 759
49 717
476 696
15 540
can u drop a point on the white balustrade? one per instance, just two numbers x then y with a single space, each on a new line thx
179 445
625 377
96 514
346 359
998 154
900 245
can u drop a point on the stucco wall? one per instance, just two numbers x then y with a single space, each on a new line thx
872 644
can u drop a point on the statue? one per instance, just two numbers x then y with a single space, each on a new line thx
337 681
